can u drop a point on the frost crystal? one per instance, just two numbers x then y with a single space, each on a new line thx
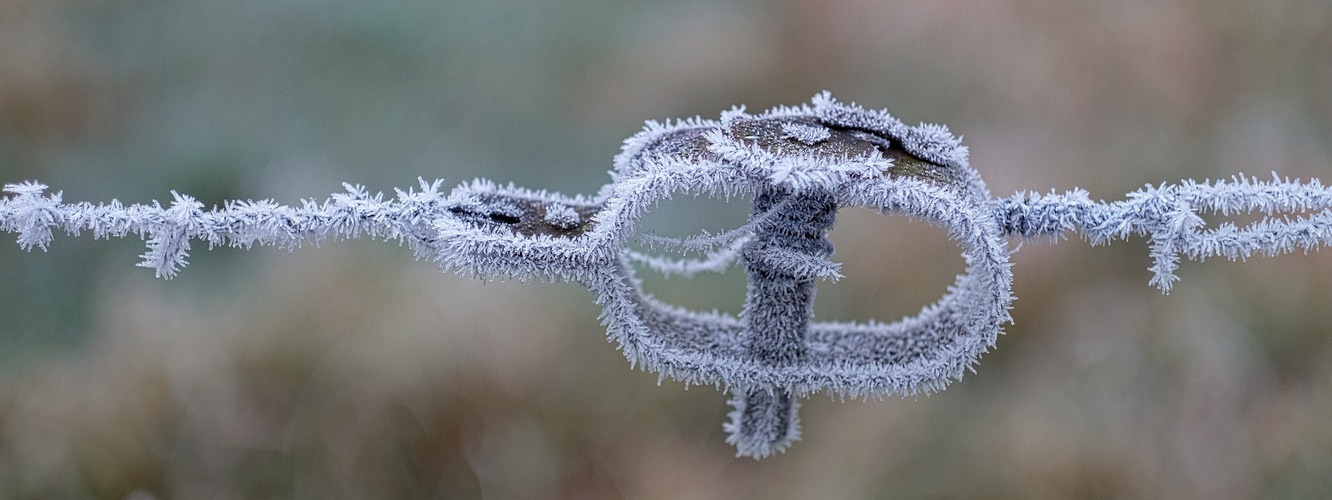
562 216
800 165
807 134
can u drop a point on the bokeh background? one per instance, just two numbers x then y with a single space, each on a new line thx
352 371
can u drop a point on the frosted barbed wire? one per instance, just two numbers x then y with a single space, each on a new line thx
1169 216
800 165
238 224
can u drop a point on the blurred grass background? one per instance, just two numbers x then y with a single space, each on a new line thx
352 371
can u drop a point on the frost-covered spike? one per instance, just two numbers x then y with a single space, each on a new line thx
805 133
823 100
562 216
935 143
729 117
169 246
31 215
26 188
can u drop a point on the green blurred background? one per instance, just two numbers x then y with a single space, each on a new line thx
352 371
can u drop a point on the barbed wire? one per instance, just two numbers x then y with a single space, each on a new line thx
799 165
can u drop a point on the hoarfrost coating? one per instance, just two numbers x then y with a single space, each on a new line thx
799 165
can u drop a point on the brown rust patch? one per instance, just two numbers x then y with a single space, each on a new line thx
524 216
768 133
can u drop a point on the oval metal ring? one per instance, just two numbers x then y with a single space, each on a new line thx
859 165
